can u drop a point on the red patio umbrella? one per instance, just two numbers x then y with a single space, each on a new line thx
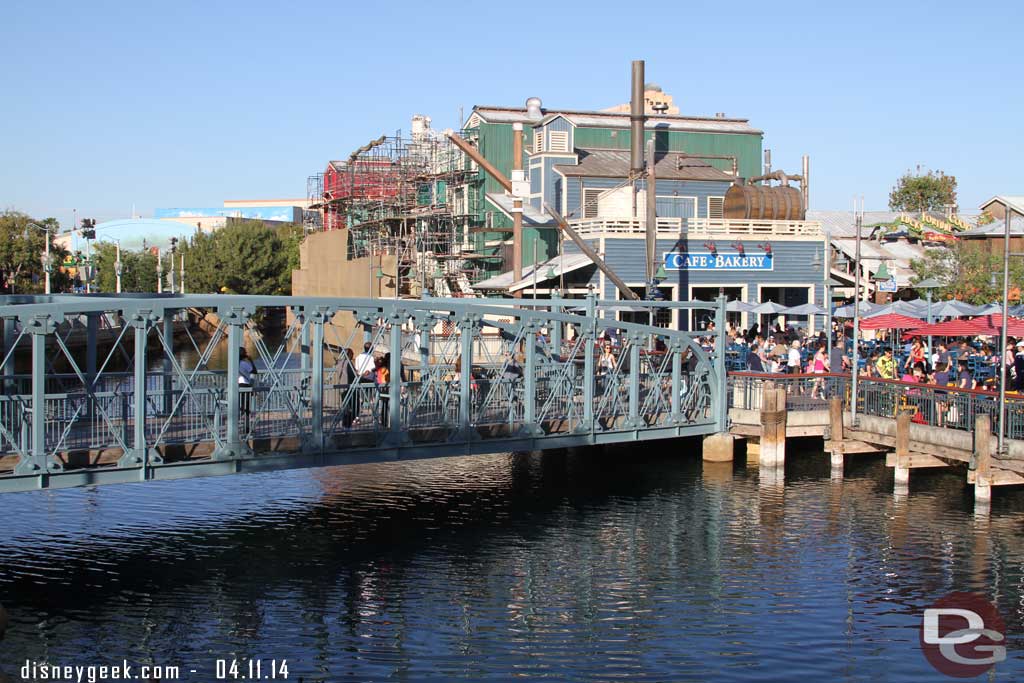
890 321
987 325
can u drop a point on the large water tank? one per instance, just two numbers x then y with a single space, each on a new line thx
763 202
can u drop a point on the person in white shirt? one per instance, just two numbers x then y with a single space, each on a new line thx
246 371
793 362
366 369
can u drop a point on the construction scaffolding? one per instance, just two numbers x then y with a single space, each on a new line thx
416 198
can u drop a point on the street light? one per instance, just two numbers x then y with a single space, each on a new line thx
928 285
47 259
1008 209
117 261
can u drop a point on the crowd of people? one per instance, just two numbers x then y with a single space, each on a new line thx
968 363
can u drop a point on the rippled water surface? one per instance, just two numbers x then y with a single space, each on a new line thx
634 564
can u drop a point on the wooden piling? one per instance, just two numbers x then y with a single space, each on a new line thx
835 428
773 426
983 458
902 465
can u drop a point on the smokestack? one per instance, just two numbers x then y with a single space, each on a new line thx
636 120
767 165
804 184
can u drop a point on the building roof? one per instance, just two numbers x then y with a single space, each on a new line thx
565 263
614 163
532 218
996 229
843 223
1016 202
492 114
896 254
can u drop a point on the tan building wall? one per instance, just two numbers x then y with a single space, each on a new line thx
326 271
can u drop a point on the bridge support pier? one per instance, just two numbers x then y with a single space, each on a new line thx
835 426
983 460
719 447
901 471
773 426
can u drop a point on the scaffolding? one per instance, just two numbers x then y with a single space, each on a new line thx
415 198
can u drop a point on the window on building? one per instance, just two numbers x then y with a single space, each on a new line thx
716 207
590 202
538 141
559 141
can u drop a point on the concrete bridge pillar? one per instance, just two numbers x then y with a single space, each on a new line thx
773 426
835 426
901 472
983 459
719 447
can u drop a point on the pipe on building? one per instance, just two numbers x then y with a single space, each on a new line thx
517 204
651 231
474 154
366 148
637 120
724 157
805 184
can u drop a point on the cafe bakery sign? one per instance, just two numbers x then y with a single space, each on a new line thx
707 261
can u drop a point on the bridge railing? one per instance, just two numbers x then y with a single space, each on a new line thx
947 407
455 374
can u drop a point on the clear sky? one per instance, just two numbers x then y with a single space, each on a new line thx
109 105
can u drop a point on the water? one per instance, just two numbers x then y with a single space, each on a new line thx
624 564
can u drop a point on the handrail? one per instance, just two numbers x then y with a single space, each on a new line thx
614 225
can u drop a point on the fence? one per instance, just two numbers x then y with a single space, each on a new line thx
946 407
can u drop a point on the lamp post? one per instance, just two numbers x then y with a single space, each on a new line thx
928 285
47 260
1009 210
117 262
858 219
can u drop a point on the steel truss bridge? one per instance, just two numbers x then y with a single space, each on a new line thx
466 376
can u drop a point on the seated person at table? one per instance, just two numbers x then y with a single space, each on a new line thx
966 380
754 362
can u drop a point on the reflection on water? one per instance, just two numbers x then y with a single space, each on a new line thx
588 565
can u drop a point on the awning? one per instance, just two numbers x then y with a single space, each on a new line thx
986 325
556 266
889 321
532 218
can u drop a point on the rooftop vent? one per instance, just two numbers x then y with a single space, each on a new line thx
533 108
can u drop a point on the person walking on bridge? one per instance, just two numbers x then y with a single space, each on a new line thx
366 377
246 373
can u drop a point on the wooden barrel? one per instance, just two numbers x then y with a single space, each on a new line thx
762 202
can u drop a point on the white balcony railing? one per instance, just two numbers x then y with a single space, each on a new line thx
698 227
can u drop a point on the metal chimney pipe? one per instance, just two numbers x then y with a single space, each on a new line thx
806 173
767 165
636 120
651 227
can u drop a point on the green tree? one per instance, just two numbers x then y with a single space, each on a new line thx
21 249
966 273
918 191
138 269
244 257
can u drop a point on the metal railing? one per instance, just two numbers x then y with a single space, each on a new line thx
698 227
947 407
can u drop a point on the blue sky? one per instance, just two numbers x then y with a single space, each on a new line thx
110 105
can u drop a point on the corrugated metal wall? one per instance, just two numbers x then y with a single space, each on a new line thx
745 147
